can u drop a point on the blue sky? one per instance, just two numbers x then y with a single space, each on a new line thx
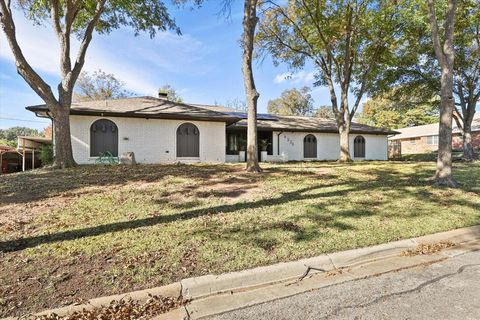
204 64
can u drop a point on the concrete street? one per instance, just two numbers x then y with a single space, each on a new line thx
445 290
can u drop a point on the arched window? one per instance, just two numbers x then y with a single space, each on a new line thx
359 147
310 146
188 141
103 138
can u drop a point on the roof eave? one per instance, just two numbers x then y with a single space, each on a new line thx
171 116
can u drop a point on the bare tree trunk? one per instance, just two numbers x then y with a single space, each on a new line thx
250 21
445 55
344 132
62 139
443 176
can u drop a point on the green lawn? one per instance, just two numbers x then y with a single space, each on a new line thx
98 230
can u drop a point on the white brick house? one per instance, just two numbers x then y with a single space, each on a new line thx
160 131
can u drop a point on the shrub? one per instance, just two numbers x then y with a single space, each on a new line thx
46 154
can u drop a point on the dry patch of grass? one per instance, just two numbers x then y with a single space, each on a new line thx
101 230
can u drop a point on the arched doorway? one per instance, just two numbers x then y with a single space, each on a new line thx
103 138
310 146
188 141
359 147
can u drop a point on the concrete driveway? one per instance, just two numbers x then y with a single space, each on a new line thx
444 290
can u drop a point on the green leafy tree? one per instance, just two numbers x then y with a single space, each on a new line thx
388 111
9 136
171 92
443 45
415 67
347 41
292 102
80 18
99 86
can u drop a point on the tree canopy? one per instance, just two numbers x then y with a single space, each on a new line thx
395 110
9 136
99 86
292 102
414 65
324 112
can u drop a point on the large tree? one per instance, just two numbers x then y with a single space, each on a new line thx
292 102
99 85
416 69
445 52
346 40
250 21
12 133
79 18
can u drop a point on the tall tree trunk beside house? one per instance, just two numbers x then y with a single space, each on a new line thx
445 55
250 21
80 18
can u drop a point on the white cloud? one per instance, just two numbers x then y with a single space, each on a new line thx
302 77
138 61
38 43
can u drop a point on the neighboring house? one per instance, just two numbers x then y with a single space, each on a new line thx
424 139
162 131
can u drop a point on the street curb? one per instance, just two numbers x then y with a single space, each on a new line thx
214 294
222 303
204 286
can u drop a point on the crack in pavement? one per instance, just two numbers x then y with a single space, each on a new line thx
417 288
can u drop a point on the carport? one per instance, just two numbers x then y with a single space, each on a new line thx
27 147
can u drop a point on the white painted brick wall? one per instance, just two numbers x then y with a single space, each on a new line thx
152 140
328 146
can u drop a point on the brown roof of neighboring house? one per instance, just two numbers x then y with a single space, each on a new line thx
150 107
431 129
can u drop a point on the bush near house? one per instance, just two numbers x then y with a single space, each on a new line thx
46 154
430 156
90 231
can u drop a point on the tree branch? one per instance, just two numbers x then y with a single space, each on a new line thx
80 61
435 33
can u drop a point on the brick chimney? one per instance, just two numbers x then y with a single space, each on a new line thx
162 95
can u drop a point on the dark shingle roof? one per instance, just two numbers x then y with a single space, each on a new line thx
144 107
310 124
151 107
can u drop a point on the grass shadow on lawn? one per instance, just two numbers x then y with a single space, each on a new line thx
406 183
46 183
